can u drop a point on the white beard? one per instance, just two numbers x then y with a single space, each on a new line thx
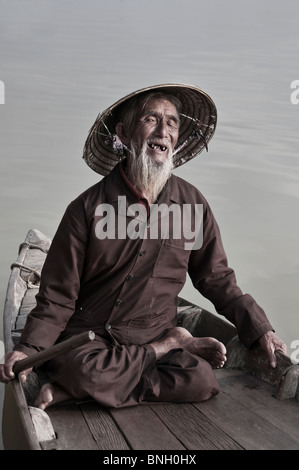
148 176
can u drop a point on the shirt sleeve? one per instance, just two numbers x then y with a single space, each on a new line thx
215 280
60 283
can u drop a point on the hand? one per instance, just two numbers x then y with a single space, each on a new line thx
6 372
270 343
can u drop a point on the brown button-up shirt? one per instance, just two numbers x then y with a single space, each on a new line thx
121 282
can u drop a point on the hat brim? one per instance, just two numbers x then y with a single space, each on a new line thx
198 113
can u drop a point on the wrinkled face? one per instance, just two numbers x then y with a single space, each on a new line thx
158 126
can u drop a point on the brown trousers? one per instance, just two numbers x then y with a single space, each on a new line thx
125 375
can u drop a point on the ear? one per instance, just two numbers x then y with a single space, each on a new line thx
121 132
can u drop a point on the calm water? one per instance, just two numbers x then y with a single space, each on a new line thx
64 61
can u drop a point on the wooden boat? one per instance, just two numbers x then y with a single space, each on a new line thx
257 407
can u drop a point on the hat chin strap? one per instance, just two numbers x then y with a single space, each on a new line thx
196 134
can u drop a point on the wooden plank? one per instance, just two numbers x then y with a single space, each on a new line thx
258 395
27 304
255 361
15 292
17 428
144 430
102 427
71 429
42 424
193 428
245 426
225 373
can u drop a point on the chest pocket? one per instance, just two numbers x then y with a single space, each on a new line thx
172 261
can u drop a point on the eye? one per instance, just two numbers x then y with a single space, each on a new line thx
172 124
150 119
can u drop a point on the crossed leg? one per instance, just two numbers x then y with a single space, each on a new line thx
209 349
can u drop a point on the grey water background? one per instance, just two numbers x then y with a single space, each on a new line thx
64 61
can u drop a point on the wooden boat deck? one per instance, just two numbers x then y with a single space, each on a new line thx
244 415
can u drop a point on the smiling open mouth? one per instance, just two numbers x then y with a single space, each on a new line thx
152 146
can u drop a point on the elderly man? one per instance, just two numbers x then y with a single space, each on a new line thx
109 272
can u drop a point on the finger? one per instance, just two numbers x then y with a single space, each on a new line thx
24 374
3 376
8 371
281 347
22 377
272 357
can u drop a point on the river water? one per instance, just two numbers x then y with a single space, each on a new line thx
63 61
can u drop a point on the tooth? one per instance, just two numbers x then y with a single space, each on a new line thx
157 147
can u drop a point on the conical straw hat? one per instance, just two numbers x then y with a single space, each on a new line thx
197 125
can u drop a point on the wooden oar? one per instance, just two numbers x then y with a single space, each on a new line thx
60 348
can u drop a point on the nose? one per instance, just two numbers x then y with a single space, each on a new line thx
161 128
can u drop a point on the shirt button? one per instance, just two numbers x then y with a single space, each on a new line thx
108 327
118 303
142 253
131 277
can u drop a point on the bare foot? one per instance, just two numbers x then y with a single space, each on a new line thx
208 348
50 394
